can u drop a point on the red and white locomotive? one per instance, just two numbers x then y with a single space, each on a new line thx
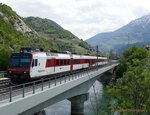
29 64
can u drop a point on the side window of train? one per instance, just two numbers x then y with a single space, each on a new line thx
36 62
61 62
49 63
57 62
65 62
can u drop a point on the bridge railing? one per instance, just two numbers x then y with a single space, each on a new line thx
42 84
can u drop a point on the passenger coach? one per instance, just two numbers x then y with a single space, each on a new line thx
29 64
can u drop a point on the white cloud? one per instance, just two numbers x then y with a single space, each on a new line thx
84 18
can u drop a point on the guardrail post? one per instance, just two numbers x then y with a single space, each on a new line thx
42 84
23 90
69 76
49 82
33 87
65 78
55 81
76 75
60 79
10 92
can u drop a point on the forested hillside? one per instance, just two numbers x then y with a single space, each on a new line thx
16 31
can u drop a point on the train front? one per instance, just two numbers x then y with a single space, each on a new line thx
19 67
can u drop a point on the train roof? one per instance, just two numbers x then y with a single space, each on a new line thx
51 55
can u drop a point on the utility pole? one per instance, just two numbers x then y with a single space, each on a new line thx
97 55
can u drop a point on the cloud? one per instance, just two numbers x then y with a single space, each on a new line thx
84 18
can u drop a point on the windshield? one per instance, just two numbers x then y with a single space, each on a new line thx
20 60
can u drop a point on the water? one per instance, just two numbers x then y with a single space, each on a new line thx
64 107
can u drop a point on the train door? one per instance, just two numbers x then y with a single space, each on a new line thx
89 63
82 62
71 65
35 68
54 64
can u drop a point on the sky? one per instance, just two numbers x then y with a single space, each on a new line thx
84 18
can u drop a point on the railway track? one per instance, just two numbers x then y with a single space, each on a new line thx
3 74
4 82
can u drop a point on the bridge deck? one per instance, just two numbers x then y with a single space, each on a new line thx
24 98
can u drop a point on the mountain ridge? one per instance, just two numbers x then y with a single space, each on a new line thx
15 32
135 32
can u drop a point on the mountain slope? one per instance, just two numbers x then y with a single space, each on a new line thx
57 37
16 31
136 32
36 32
48 27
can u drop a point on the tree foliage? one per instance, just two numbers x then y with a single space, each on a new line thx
4 56
128 59
132 90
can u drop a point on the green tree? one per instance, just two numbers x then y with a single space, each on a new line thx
4 56
129 56
132 90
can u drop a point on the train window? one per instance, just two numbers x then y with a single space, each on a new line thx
65 62
68 62
57 62
61 62
34 63
14 60
78 61
75 61
48 63
86 61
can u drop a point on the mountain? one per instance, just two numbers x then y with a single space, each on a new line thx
137 32
48 28
57 37
16 31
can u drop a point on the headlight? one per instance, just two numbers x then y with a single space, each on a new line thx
25 72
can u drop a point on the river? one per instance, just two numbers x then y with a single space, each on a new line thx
64 107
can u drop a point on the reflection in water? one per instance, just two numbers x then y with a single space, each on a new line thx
64 107
93 104
60 108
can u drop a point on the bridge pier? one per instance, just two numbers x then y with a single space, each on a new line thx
42 112
77 104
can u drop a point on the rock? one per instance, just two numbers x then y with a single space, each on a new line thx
21 26
1 14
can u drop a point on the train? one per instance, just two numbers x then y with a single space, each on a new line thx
31 64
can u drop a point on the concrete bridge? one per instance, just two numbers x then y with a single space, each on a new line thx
29 99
